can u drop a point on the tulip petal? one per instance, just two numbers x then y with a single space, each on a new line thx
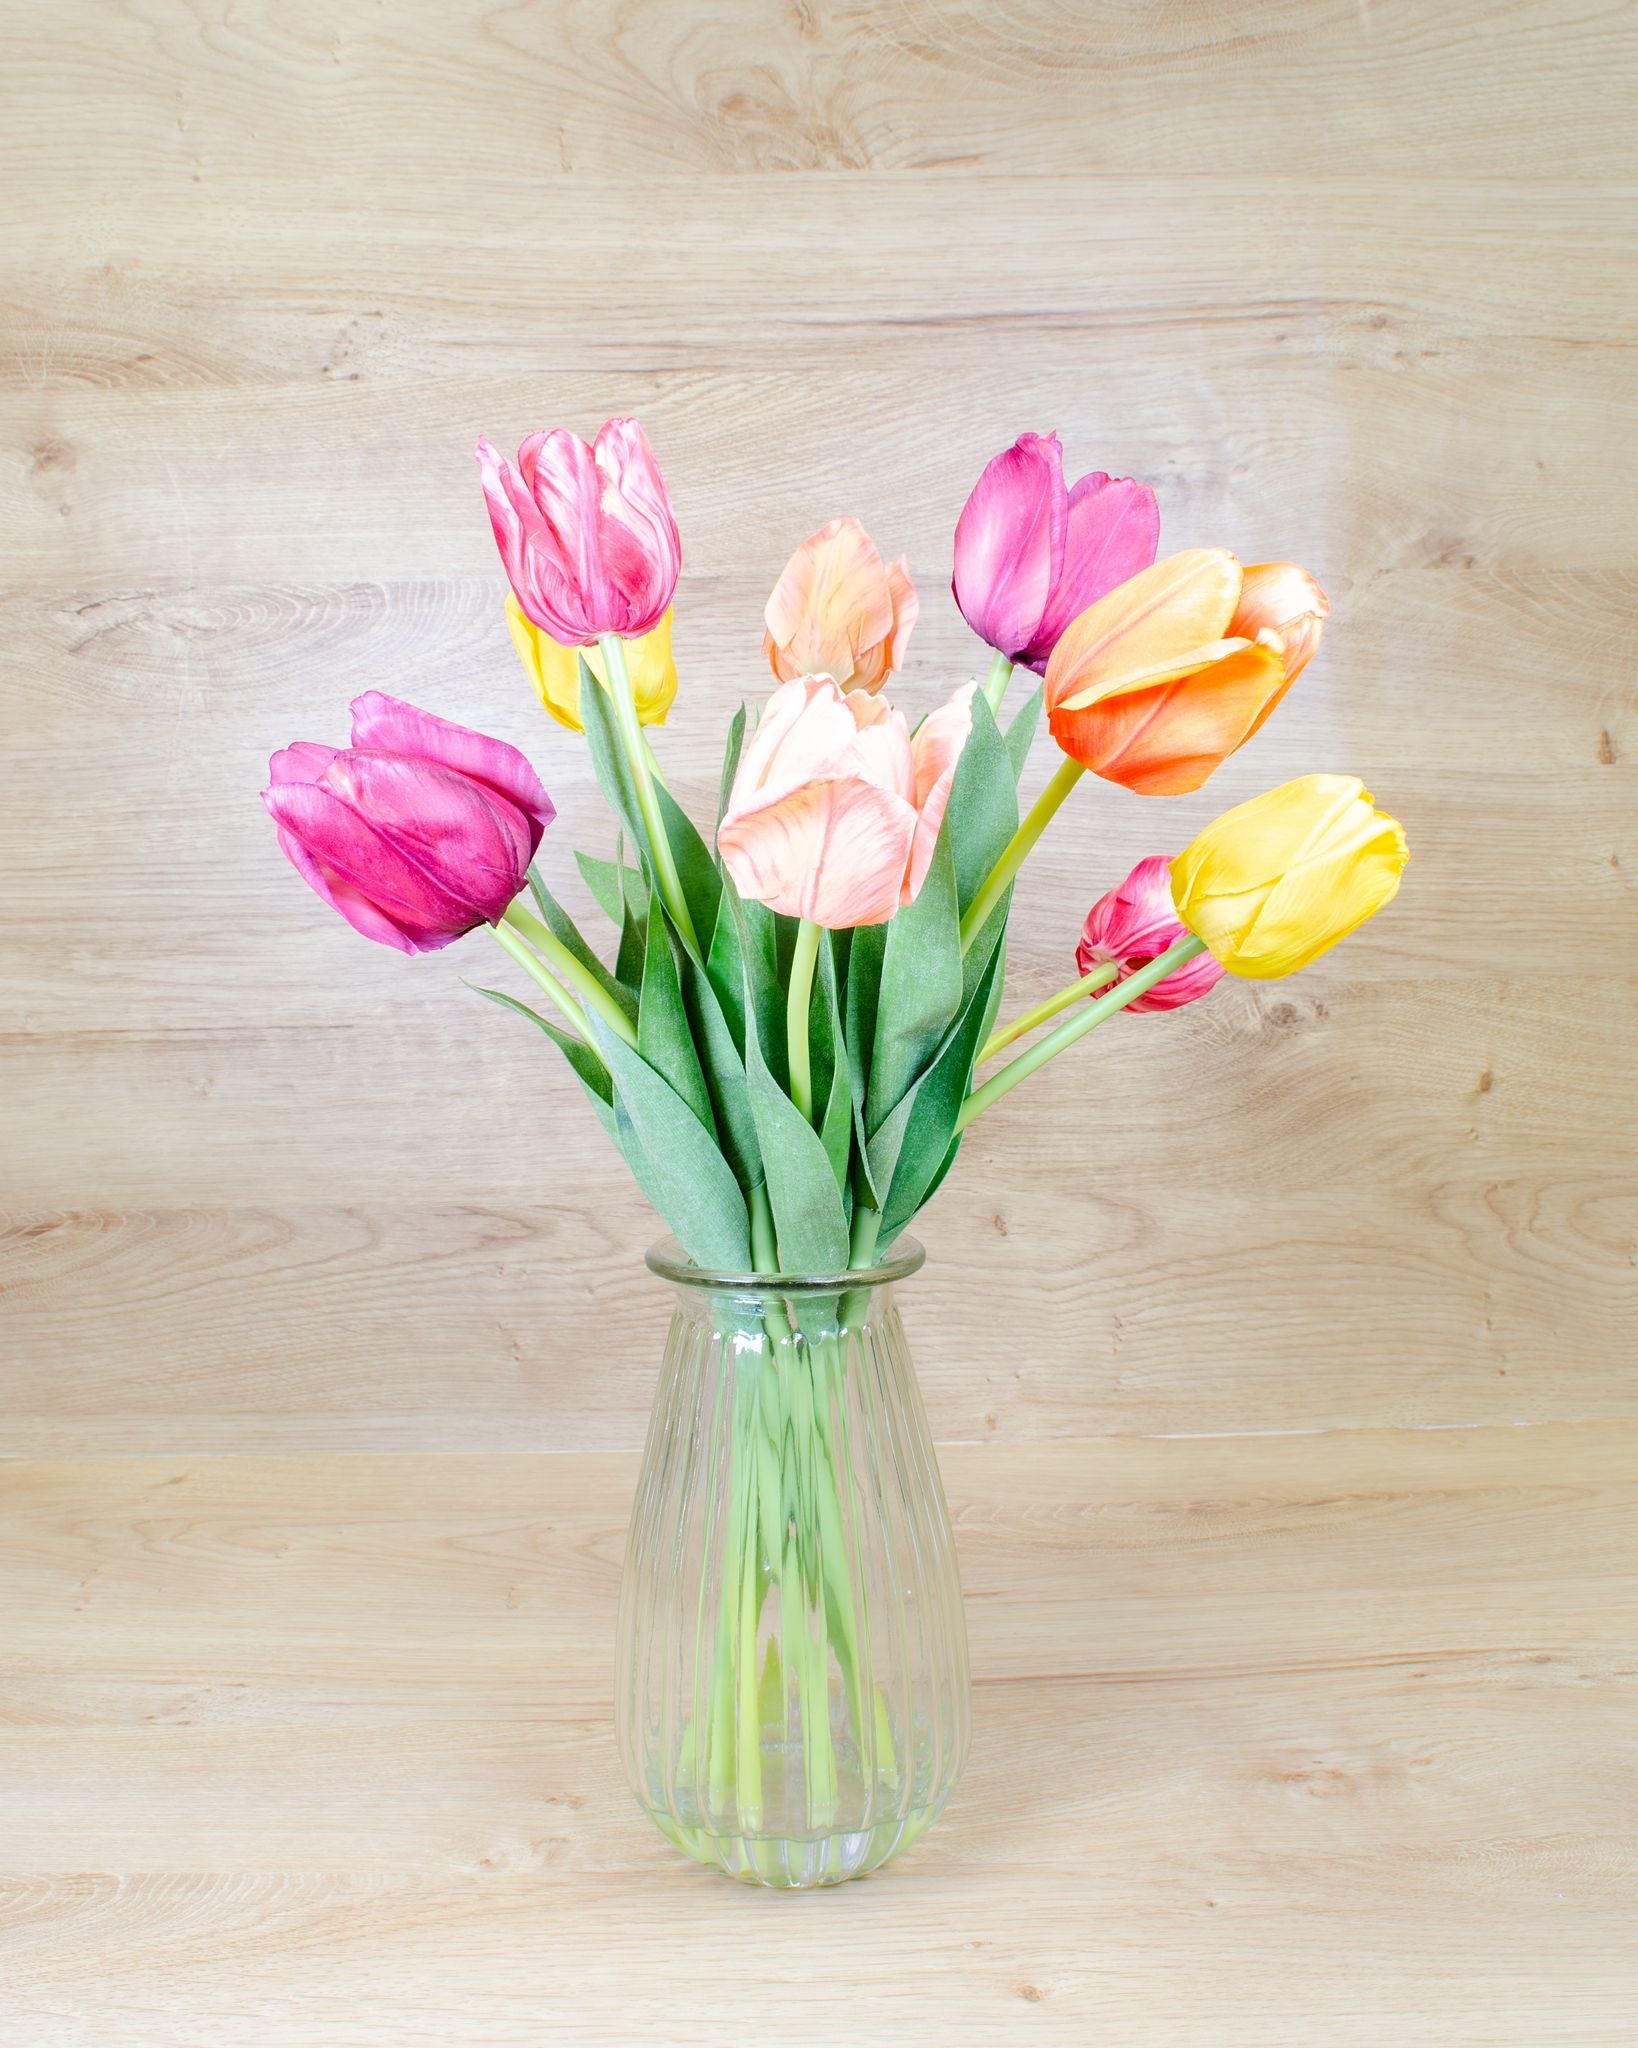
357 909
560 474
906 603
531 550
1170 738
835 852
353 853
388 725
1160 623
1281 598
468 846
1009 542
637 531
832 611
936 750
1111 535
301 761
1277 881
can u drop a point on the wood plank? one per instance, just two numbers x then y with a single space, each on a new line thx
1326 91
1270 1705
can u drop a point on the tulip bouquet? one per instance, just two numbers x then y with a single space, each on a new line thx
798 1018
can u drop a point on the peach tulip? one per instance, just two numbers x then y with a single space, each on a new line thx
836 809
587 534
1161 680
1135 924
839 610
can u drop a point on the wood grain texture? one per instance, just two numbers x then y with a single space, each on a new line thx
1320 1738
1279 1740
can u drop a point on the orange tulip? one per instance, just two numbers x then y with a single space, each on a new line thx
1160 681
838 610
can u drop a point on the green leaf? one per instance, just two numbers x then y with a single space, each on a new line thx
604 879
810 1221
677 1161
860 991
628 962
983 810
664 1036
923 1148
920 985
609 761
762 987
832 1078
724 963
1021 732
724 1071
730 761
696 868
564 928
582 1057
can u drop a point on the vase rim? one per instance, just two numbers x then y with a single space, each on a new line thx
668 1259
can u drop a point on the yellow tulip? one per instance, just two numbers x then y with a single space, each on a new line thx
1274 883
555 669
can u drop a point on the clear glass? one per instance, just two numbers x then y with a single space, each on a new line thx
793 1698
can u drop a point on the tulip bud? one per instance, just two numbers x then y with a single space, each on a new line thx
1276 882
417 832
1031 555
555 669
587 535
1135 924
835 809
1156 684
838 610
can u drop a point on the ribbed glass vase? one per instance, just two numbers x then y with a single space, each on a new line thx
792 1694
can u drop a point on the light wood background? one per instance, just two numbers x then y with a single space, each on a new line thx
1283 1350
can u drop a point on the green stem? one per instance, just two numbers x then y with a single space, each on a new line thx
631 733
867 1226
545 979
798 1000
1043 1013
562 963
1076 1027
1042 812
995 689
764 1249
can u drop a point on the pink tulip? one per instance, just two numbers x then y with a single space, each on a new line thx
417 832
587 534
835 810
1134 924
1031 555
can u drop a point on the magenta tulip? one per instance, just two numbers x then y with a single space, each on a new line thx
587 535
417 832
1135 924
1031 554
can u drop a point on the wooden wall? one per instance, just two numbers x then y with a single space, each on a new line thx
1352 286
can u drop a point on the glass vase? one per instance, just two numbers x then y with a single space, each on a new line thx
792 1695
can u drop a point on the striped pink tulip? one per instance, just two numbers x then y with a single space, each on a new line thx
587 534
417 832
1134 924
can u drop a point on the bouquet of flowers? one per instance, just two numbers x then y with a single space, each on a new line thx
798 1017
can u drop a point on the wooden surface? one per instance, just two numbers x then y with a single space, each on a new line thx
1283 1350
